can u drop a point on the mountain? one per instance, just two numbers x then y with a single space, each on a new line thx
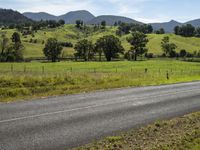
195 23
39 16
110 20
8 16
167 26
71 17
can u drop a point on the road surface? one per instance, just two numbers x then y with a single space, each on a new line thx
64 122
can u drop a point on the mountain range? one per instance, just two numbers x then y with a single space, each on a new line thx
89 18
8 16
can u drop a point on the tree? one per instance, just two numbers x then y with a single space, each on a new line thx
79 23
17 46
149 28
61 22
4 43
52 49
84 49
138 41
183 53
98 48
197 32
168 48
160 31
110 45
177 30
13 51
16 38
185 30
103 24
3 46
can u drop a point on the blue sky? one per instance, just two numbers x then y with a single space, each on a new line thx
141 10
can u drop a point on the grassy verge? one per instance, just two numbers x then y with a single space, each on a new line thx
58 79
181 133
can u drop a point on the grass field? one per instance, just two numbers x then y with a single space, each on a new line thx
31 80
69 33
181 133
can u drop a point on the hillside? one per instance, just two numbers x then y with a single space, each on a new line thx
111 20
195 23
71 17
39 16
167 26
70 34
8 16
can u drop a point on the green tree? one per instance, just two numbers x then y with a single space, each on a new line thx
183 53
110 45
52 49
79 24
187 30
17 47
3 43
3 46
61 22
84 49
177 30
168 48
16 37
138 41
103 24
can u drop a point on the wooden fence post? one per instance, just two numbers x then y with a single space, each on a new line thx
43 69
11 67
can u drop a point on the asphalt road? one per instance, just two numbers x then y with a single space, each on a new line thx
64 122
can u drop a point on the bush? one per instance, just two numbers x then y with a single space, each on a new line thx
149 55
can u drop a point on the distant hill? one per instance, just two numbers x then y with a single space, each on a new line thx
110 20
89 18
167 26
8 16
39 16
70 17
195 23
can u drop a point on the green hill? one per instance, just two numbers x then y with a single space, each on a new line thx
69 33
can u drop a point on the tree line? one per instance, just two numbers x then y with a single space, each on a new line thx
109 46
187 31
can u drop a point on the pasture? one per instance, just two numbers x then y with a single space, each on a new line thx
33 80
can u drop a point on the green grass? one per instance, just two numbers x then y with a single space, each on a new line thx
70 34
31 80
181 133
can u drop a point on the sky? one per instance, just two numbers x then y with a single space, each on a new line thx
147 11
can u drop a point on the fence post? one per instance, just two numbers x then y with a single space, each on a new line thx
24 69
71 69
11 67
94 70
43 69
146 70
167 75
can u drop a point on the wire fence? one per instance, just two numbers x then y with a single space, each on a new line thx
134 71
